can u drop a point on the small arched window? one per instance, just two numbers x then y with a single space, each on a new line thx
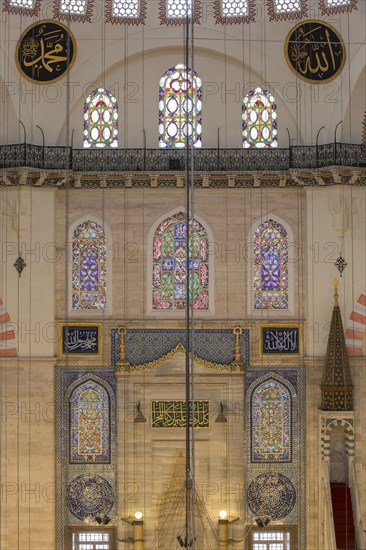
271 412
270 266
259 120
100 120
89 266
170 264
89 424
180 108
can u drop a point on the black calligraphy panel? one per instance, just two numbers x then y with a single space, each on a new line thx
80 339
315 51
45 52
280 340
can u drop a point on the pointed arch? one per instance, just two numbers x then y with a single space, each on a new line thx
272 410
259 120
90 265
89 414
167 257
180 108
89 424
100 120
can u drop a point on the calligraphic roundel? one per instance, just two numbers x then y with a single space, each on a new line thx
315 51
45 52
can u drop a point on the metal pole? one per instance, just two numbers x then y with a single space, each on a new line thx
316 144
71 149
25 144
289 148
335 142
144 133
218 148
43 144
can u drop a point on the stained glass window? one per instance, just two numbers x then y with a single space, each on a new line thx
89 266
100 120
170 264
89 424
74 7
287 6
259 119
180 108
270 266
271 423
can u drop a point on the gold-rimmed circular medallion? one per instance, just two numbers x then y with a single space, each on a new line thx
45 52
315 51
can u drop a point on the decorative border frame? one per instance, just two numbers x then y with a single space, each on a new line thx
296 471
165 20
283 326
222 20
286 16
58 14
335 10
110 18
364 129
33 12
62 324
66 378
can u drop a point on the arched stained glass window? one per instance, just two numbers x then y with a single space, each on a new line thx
170 264
270 266
89 266
180 108
100 120
259 120
271 411
89 424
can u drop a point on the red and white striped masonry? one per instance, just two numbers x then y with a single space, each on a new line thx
356 327
8 345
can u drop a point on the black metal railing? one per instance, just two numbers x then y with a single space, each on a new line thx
157 160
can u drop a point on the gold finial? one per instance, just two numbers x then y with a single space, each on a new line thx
335 295
122 348
238 331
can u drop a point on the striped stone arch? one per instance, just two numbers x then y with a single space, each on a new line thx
8 346
356 327
348 428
